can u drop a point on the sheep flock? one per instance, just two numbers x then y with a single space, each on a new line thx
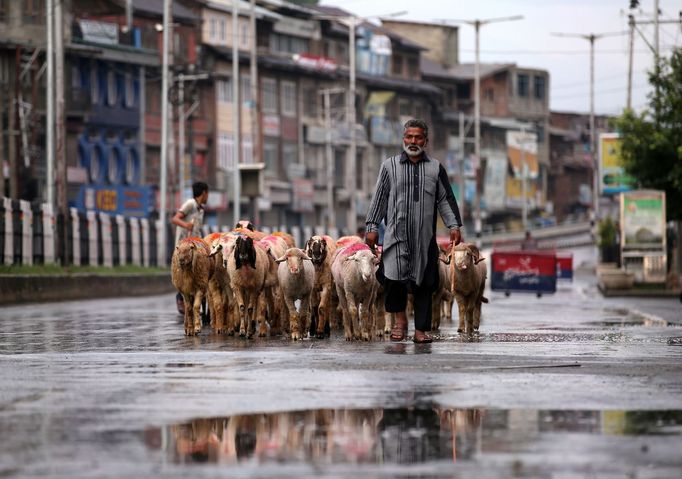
258 283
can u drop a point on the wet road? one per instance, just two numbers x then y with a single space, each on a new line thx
567 385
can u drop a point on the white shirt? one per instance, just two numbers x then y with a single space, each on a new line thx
194 214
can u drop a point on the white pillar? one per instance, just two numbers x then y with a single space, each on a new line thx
135 241
146 249
9 231
76 236
107 243
93 238
48 232
121 225
26 232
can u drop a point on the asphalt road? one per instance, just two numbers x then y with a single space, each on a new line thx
567 385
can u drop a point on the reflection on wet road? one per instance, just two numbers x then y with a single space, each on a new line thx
417 435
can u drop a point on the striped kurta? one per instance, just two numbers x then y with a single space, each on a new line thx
405 198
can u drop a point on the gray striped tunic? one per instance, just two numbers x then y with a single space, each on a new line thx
405 197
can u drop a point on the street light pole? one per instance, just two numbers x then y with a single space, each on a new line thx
164 129
477 110
352 166
236 117
592 37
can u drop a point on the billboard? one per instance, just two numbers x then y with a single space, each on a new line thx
612 176
116 199
643 220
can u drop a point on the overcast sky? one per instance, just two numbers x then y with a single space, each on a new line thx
529 42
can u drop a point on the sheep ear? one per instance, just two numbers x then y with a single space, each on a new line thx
446 260
281 259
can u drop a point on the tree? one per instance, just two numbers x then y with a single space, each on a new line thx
652 140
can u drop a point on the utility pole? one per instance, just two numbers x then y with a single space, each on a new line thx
60 130
477 24
631 25
462 156
236 117
183 115
352 165
255 110
331 213
49 113
592 37
164 129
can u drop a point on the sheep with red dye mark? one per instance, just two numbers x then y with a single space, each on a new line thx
296 275
354 269
320 249
467 279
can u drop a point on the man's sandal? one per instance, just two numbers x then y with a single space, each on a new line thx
398 333
422 338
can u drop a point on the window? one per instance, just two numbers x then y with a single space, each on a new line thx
289 154
539 87
404 108
522 84
129 84
34 12
340 168
397 65
213 29
94 83
245 87
413 67
225 151
244 35
287 44
269 95
489 94
225 90
270 156
4 10
288 98
247 150
223 31
310 98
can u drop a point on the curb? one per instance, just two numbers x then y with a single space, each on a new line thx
16 289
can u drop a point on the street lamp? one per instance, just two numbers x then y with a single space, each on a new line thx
592 37
477 110
352 22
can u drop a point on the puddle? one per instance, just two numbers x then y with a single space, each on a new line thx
404 435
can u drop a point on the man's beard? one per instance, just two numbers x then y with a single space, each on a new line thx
413 150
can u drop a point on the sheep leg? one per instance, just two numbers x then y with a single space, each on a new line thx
251 312
379 316
347 331
293 319
476 315
196 309
461 307
215 299
353 313
241 304
470 319
388 325
263 310
304 316
324 310
367 312
187 317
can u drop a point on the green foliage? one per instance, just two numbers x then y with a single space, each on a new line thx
606 229
652 140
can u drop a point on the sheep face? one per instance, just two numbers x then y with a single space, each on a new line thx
244 252
316 249
294 258
366 263
185 253
465 257
245 224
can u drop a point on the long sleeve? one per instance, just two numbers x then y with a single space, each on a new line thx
377 208
447 204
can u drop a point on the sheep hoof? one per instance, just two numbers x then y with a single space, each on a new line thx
320 335
295 336
460 330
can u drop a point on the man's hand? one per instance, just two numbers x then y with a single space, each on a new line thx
455 237
371 239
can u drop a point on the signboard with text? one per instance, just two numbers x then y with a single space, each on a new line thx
116 200
524 271
612 176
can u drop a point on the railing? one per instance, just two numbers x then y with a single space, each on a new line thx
30 234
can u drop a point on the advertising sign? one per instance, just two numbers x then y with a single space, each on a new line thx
523 271
115 199
612 176
643 220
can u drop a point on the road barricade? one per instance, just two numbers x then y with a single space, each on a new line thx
564 266
524 271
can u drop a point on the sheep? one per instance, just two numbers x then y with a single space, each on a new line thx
320 249
269 306
220 296
467 279
291 243
245 224
246 266
441 296
190 273
354 274
296 275
345 241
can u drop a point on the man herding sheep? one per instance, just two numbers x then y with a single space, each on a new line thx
410 187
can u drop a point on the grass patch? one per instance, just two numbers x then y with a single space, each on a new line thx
54 269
